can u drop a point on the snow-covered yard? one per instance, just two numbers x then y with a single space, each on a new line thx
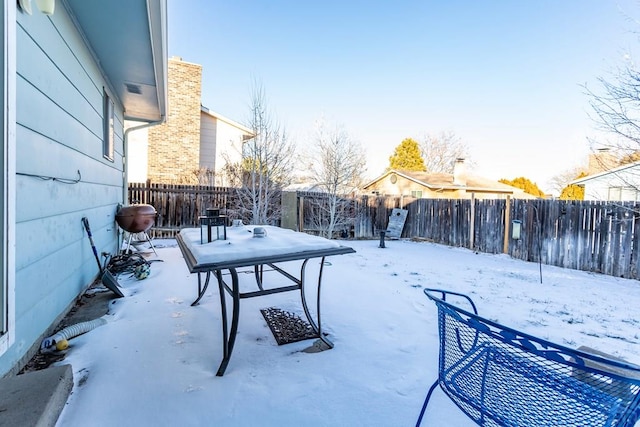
154 362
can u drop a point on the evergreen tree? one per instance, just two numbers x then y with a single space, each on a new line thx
407 157
573 192
525 184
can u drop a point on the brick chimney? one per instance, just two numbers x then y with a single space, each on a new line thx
460 172
174 146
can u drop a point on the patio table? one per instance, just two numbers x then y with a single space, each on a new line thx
242 249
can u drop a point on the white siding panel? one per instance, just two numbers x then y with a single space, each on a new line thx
137 162
208 127
229 144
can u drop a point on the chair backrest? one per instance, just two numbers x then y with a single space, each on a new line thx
503 377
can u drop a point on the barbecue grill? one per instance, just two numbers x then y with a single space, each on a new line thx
137 219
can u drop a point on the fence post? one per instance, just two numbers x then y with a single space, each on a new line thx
289 201
472 221
147 196
507 224
301 213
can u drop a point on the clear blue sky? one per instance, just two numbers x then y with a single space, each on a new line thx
505 76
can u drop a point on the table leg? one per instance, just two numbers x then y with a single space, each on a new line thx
201 289
317 327
228 336
258 269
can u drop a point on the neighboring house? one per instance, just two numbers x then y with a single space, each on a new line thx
71 79
221 142
311 187
617 184
194 144
458 185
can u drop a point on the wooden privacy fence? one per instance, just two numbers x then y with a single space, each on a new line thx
178 206
602 237
584 235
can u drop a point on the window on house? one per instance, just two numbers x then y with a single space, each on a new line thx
416 194
614 193
107 141
629 194
617 194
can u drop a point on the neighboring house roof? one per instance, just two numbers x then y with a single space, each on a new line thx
129 40
248 132
303 186
624 168
443 181
312 187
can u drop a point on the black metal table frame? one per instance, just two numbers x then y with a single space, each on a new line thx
258 263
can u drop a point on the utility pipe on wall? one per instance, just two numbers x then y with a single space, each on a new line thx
125 185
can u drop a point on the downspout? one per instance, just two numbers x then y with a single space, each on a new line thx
125 186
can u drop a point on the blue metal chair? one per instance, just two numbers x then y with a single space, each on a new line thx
499 376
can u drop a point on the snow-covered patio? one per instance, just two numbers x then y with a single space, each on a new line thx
154 362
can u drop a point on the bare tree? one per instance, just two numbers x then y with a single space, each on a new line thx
616 113
337 166
440 152
266 166
560 181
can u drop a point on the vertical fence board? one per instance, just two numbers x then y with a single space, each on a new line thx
634 267
626 240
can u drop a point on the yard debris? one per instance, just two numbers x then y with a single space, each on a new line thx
130 263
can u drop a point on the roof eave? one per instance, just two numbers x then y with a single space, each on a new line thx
233 123
128 39
581 181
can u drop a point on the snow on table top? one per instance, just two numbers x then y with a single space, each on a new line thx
241 244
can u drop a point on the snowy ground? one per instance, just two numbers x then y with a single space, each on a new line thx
154 362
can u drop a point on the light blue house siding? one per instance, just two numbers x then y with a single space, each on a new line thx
59 134
58 70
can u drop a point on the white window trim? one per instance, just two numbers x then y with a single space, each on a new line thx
108 123
8 206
